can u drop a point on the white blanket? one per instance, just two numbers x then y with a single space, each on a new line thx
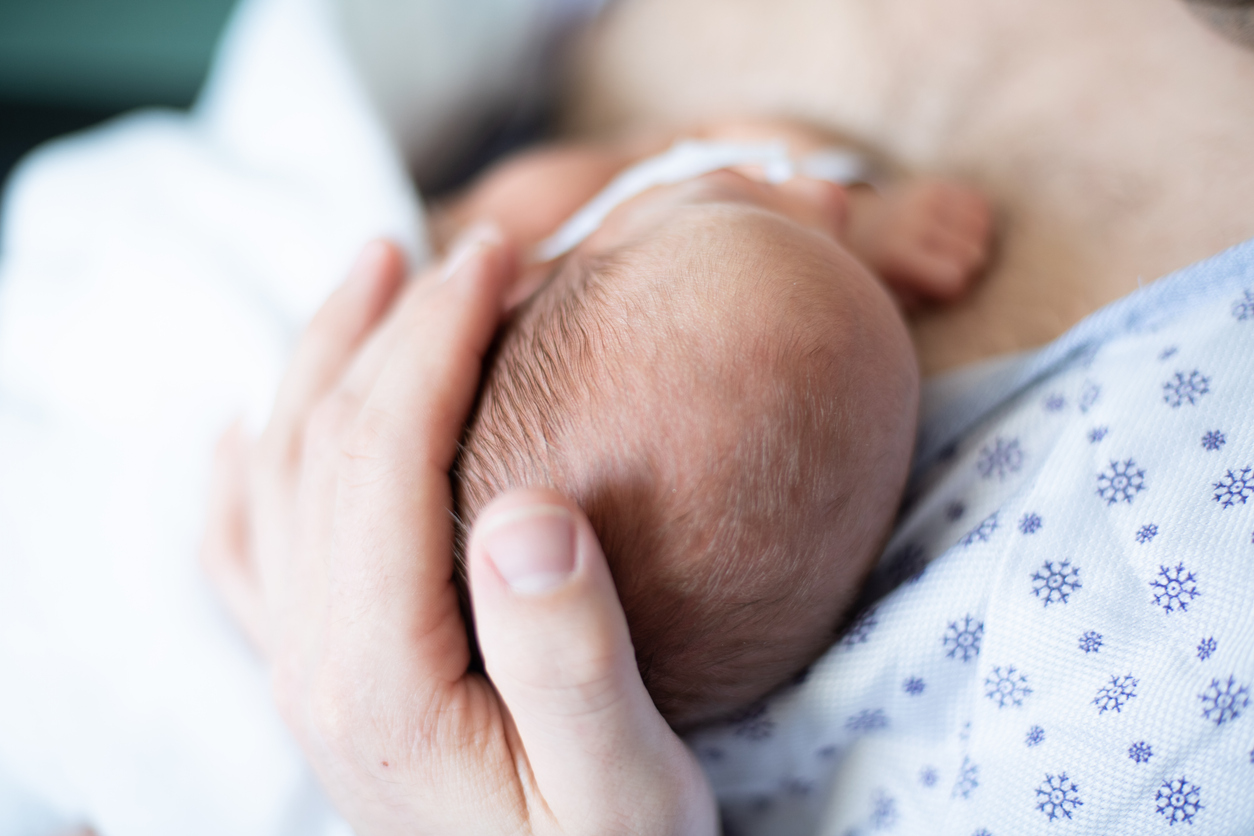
155 273
1071 648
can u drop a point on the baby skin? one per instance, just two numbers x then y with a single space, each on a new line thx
721 376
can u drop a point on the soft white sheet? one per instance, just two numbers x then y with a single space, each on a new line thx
154 274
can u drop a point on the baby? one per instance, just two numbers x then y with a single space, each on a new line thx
718 373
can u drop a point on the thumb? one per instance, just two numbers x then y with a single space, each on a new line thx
555 645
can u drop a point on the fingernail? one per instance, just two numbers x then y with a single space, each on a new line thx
533 548
475 239
368 261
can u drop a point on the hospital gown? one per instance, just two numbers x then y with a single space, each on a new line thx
1068 643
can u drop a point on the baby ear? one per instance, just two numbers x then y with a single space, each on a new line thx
927 238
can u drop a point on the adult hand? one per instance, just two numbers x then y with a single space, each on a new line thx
330 540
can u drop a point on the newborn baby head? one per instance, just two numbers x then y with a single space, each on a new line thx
731 397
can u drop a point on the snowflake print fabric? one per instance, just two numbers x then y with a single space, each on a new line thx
1059 636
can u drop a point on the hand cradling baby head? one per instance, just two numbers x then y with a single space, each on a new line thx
731 397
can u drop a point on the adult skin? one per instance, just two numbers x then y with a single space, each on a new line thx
1113 135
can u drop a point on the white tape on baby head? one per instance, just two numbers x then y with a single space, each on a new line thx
689 159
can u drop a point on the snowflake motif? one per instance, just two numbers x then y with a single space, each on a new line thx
964 642
1140 752
1146 533
867 720
1206 648
1181 390
982 532
1055 582
1001 460
968 779
753 724
1213 440
954 511
913 686
1243 308
1006 688
1058 796
1115 696
860 629
1120 482
1235 488
1091 642
1179 801
1223 702
796 787
906 565
928 776
1036 735
1168 352
1089 396
1055 403
1031 523
884 816
982 832
1172 586
1097 434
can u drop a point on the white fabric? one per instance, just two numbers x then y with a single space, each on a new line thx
1071 646
691 158
155 273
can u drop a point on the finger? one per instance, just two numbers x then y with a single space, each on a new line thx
331 338
479 239
393 568
555 645
225 553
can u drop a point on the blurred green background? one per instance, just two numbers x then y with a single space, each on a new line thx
67 64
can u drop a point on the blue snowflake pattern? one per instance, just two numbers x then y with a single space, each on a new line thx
796 787
860 629
1243 308
1115 695
1031 523
1146 533
1055 403
1002 459
913 686
1174 588
1089 395
1007 687
1179 801
1181 390
1235 487
1036 735
1213 440
968 779
964 642
1168 352
928 776
982 832
1120 482
1097 434
867 720
1059 796
1054 582
1140 752
982 532
1206 648
1223 702
753 723
884 816
954 511
1091 642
